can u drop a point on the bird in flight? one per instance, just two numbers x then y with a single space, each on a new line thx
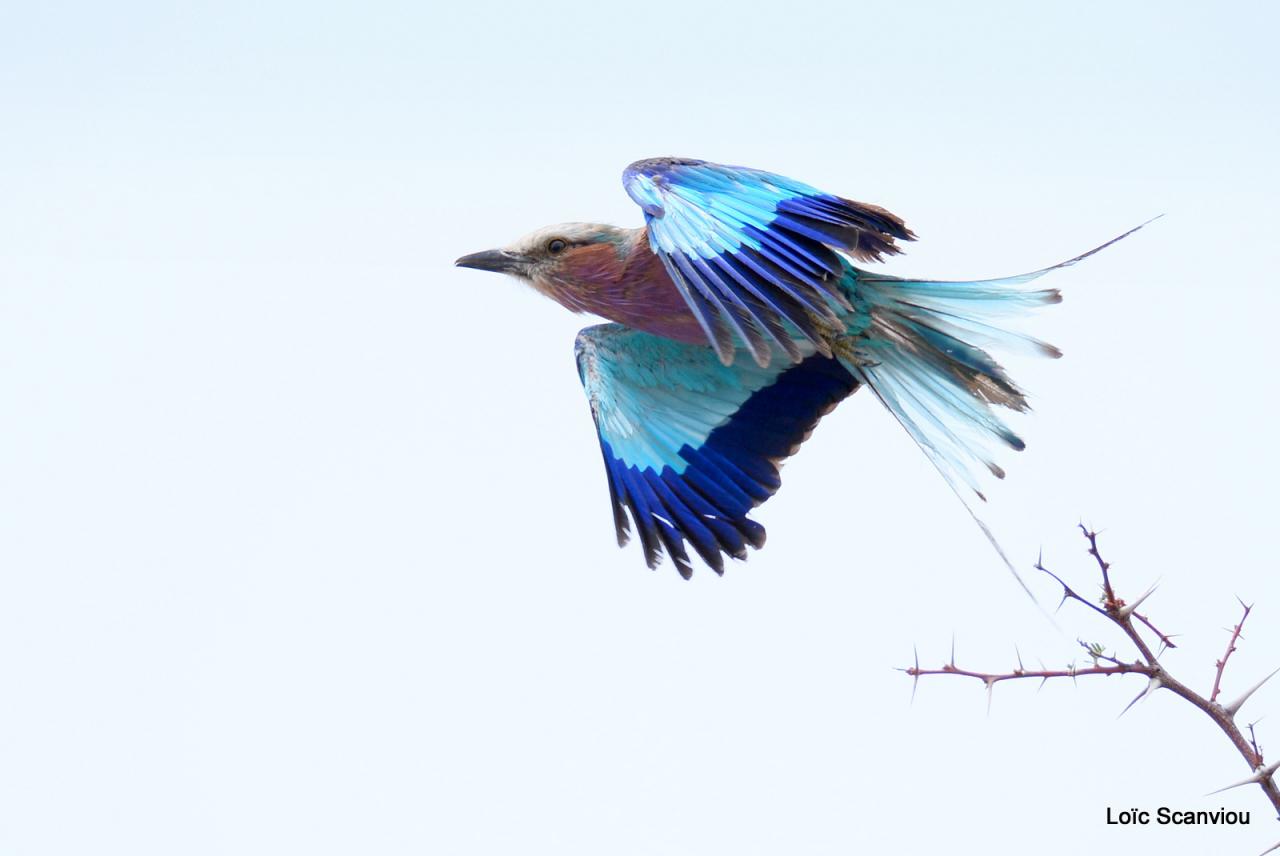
740 320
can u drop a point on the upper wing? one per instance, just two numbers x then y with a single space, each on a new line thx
691 445
749 250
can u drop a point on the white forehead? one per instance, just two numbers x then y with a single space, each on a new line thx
569 232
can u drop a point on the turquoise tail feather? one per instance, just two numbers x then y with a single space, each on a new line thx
921 346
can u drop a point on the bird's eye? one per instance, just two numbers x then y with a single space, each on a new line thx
555 245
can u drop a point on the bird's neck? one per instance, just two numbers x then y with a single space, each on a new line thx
625 282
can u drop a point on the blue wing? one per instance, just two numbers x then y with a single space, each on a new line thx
692 445
755 254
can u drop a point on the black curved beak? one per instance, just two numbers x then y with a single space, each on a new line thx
498 261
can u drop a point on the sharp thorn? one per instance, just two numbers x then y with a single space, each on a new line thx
1128 609
1259 775
1252 780
915 679
1153 684
1239 703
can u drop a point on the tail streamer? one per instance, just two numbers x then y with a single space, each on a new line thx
924 355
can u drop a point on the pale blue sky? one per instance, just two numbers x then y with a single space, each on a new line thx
304 537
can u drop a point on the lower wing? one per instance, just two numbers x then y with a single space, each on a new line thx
691 445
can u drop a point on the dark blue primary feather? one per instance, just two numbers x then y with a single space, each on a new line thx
690 445
749 250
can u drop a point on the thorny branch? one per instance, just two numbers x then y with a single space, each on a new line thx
1126 617
1231 649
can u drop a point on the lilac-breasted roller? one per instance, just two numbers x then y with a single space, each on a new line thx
740 321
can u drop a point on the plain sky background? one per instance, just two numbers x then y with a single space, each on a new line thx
304 537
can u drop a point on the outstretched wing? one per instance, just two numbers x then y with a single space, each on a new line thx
753 253
692 445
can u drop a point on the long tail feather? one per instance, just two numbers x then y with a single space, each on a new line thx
923 354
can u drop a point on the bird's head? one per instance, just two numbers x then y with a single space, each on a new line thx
554 258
